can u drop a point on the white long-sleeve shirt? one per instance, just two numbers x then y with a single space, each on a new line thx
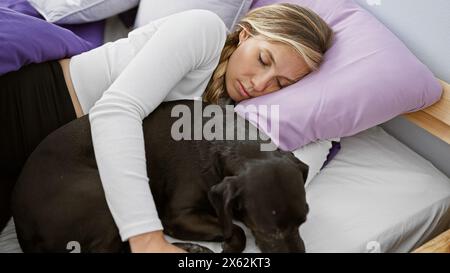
121 83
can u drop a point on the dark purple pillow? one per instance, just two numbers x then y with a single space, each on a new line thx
21 6
92 32
25 39
335 148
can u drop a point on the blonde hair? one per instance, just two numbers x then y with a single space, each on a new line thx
290 24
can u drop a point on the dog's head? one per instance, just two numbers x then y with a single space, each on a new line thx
268 196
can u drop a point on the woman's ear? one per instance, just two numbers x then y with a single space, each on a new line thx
243 35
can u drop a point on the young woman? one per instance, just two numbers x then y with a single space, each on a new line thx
181 56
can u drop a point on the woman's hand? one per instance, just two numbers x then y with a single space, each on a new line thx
152 242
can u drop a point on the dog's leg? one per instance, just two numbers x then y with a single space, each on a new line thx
201 227
236 243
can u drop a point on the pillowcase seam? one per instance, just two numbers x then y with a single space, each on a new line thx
238 15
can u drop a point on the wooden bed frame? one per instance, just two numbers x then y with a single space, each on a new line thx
436 118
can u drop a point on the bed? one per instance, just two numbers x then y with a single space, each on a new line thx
436 118
384 196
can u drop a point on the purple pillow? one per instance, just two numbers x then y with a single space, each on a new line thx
368 77
91 32
25 39
21 6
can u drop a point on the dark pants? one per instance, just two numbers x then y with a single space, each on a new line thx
34 101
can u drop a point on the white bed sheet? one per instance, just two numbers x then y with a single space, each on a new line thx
376 195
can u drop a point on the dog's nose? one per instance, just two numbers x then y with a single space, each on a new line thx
292 243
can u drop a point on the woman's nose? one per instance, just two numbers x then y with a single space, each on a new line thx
261 82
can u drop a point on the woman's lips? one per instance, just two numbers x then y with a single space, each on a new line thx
243 91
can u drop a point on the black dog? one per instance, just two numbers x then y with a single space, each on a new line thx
199 186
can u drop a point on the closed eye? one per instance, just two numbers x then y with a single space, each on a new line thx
261 60
264 64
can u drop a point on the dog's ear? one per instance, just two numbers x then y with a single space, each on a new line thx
300 165
222 196
218 164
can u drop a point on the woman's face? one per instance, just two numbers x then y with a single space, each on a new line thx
258 67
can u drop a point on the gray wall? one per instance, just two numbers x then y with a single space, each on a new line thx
424 27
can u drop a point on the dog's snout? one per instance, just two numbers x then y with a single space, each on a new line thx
280 242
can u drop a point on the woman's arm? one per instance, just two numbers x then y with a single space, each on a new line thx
152 242
181 44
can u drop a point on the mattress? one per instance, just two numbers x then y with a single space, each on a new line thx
376 195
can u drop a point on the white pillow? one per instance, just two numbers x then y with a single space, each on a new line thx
230 11
80 11
314 155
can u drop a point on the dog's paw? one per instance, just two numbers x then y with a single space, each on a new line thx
236 243
193 248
